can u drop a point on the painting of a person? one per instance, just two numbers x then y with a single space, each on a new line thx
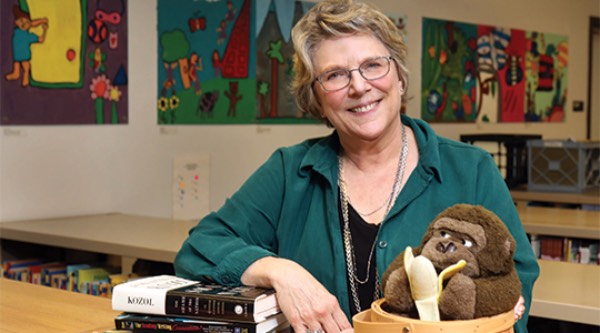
21 43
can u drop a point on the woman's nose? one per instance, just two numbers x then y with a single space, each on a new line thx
358 84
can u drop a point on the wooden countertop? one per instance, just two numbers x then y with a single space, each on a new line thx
589 197
26 307
567 291
134 236
560 222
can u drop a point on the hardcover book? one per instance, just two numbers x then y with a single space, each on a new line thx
174 296
153 323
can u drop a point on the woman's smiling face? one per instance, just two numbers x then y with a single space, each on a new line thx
365 109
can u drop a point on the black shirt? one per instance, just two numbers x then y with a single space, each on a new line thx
363 236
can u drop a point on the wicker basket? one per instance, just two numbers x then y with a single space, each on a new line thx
377 320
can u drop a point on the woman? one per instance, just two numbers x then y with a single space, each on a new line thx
320 221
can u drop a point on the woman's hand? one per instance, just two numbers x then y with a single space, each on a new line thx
306 304
519 308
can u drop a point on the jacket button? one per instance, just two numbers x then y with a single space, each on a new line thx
382 244
225 278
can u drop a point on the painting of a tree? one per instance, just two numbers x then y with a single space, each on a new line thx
175 48
275 20
276 57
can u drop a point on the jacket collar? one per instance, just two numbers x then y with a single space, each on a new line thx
321 156
429 146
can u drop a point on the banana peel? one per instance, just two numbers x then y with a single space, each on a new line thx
425 284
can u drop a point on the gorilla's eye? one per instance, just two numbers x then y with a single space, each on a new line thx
467 243
444 234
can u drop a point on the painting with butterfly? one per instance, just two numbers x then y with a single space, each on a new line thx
479 73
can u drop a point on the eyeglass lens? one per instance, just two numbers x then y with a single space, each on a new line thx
371 69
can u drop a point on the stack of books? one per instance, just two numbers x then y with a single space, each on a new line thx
167 303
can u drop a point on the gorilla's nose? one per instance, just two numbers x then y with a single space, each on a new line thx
446 247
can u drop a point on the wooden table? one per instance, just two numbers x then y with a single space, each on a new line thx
26 307
567 291
522 196
129 236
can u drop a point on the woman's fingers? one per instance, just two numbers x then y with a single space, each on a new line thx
306 303
519 308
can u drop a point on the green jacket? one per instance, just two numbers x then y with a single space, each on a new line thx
288 208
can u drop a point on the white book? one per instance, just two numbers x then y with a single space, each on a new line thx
175 296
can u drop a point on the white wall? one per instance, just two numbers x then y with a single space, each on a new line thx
71 170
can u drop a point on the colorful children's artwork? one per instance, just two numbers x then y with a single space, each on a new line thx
63 62
489 74
205 62
226 62
275 69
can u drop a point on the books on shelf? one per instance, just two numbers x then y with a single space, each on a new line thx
83 278
155 323
576 250
174 296
94 280
18 269
36 271
72 275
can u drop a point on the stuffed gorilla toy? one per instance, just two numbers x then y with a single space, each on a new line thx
487 285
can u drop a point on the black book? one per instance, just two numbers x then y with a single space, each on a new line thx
139 323
174 296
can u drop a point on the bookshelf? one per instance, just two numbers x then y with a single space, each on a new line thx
159 239
564 291
127 236
567 291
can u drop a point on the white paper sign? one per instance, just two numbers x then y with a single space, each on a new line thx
190 187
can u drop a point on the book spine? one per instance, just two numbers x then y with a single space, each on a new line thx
199 306
137 300
141 325
145 295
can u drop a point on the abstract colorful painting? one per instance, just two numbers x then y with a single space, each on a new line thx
63 62
489 74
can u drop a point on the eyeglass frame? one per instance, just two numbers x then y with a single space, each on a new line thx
349 73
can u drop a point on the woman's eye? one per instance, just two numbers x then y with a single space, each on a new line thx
334 75
467 243
371 65
444 234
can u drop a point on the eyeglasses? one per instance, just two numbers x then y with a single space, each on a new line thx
371 69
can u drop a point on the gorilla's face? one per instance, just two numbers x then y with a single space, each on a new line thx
452 240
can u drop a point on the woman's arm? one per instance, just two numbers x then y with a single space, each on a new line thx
304 301
493 194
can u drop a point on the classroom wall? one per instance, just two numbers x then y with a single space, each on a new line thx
72 170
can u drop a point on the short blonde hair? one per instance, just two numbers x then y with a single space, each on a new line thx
335 18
